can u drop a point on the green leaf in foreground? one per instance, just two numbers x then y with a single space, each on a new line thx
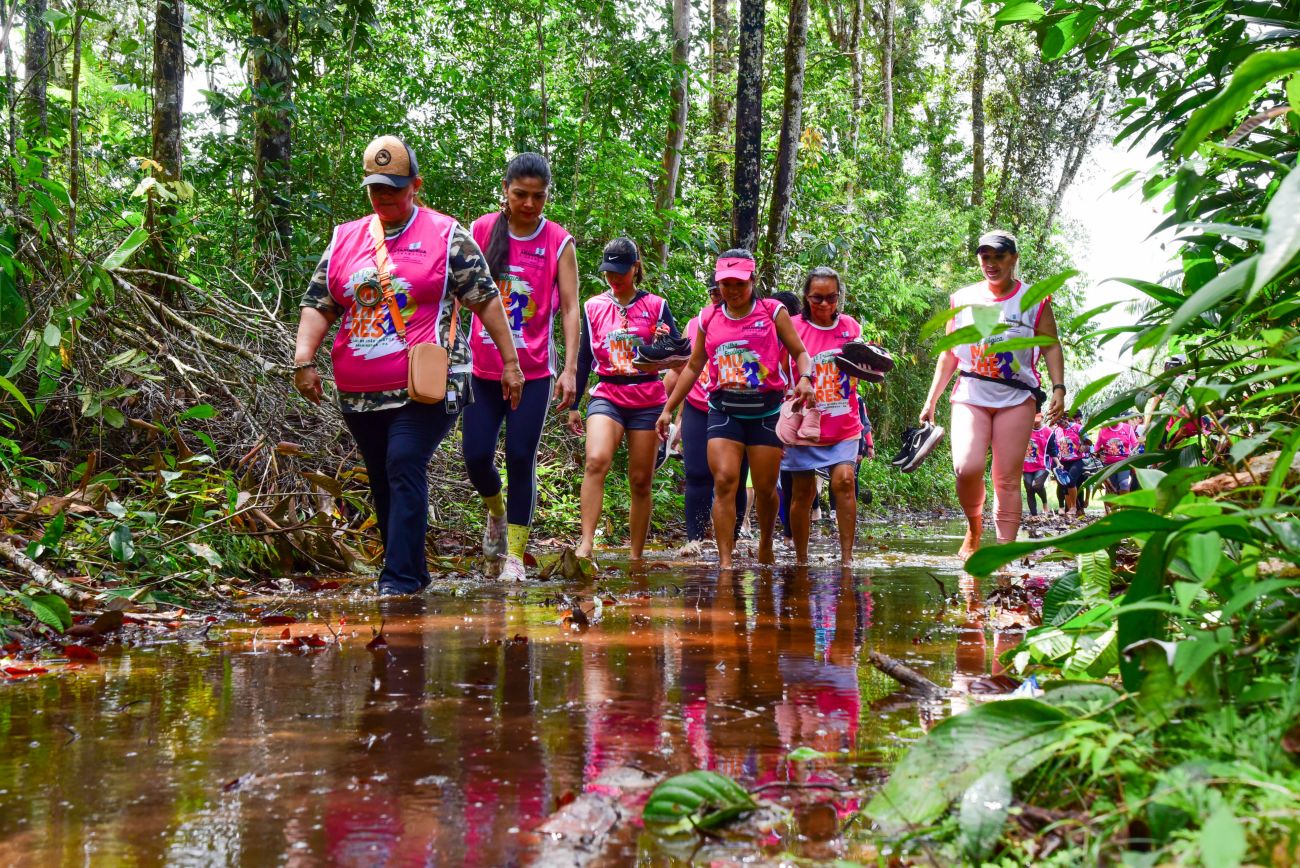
1104 532
701 798
50 609
1045 287
1283 237
1012 736
1222 841
119 257
983 813
1255 72
121 544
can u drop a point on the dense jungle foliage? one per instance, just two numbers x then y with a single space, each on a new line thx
174 172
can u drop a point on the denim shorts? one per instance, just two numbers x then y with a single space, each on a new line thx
750 432
631 418
1121 480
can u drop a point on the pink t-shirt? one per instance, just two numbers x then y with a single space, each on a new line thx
368 355
698 396
1116 442
1068 445
1036 453
744 353
837 396
615 334
530 295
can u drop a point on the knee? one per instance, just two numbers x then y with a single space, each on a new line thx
477 450
638 482
726 482
598 465
968 474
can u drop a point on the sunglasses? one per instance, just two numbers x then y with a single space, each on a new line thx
823 299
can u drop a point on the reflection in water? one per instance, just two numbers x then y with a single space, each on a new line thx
480 717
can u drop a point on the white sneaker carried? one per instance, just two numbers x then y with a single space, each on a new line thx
494 536
513 570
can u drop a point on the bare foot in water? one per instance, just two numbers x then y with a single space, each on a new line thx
766 555
971 544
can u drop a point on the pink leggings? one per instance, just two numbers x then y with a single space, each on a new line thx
1006 429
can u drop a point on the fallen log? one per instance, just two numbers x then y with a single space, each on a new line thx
41 576
908 677
1256 471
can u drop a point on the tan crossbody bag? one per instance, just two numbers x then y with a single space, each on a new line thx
427 363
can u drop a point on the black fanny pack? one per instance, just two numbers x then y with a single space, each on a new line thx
1039 395
627 380
746 403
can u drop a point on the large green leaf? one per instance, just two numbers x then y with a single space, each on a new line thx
1103 533
703 799
18 396
1283 237
119 257
1012 736
1019 10
50 609
1045 287
984 808
1222 839
1255 72
1148 584
1208 297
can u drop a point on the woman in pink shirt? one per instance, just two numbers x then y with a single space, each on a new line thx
1114 444
625 402
824 331
740 340
1035 466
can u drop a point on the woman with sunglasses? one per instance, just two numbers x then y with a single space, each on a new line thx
740 340
625 401
824 330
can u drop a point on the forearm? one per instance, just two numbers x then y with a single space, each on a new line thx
686 379
943 371
312 326
572 338
1054 356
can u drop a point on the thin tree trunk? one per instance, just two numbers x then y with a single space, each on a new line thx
749 125
273 129
541 62
722 65
1004 179
855 62
978 76
676 121
1073 161
168 98
11 95
887 68
787 152
74 127
36 63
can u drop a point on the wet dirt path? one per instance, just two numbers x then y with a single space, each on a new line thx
482 714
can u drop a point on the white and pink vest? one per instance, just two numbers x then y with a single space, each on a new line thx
1036 451
744 353
1068 445
698 396
368 355
530 294
1116 442
615 334
837 395
984 357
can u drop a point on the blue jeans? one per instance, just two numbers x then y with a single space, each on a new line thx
396 446
481 430
699 479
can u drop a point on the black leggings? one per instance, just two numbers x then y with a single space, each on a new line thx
699 479
482 427
1036 484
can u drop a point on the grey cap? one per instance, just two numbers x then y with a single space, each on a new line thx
999 241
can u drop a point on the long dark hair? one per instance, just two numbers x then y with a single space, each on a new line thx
525 165
822 271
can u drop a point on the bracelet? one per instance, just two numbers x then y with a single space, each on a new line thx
304 366
808 377
1060 386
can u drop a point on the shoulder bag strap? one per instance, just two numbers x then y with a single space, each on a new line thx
384 265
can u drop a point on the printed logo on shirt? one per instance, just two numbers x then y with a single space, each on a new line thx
830 386
622 346
371 333
738 366
520 307
415 245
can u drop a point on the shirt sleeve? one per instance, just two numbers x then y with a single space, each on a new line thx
318 295
667 319
467 271
585 360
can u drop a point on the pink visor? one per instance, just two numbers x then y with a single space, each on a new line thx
734 269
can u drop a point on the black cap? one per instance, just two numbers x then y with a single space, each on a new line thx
620 255
999 240
1174 362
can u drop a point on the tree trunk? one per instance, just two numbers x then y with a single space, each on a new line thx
977 117
1004 179
676 121
273 128
722 65
74 126
11 96
749 125
855 62
168 97
787 152
36 63
541 72
1073 160
887 68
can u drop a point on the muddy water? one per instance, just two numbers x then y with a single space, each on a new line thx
483 713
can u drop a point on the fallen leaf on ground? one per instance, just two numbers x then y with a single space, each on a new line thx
278 620
78 652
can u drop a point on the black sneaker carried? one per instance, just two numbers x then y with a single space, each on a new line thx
862 357
924 444
666 352
908 448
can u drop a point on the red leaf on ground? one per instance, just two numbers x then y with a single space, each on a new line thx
131 619
609 601
278 620
313 641
329 586
78 652
285 634
529 560
211 619
13 647
25 671
111 620
378 642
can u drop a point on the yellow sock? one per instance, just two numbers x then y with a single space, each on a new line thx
496 504
517 540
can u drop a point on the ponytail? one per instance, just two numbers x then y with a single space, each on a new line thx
525 165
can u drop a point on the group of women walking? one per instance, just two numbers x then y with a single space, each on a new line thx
759 391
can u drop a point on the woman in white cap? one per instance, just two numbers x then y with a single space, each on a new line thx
997 392
396 278
625 401
741 340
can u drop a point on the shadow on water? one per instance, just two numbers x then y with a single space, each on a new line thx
484 713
